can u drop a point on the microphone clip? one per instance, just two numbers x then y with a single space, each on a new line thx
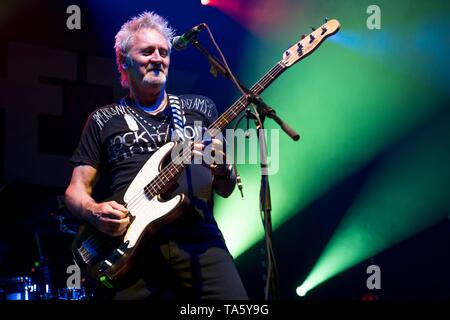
181 42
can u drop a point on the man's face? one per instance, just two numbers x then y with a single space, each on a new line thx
148 59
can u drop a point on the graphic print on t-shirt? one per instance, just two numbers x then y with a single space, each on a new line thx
131 122
199 104
118 139
137 136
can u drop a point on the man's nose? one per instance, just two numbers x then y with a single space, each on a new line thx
156 57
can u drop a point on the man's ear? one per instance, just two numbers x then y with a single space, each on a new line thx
125 63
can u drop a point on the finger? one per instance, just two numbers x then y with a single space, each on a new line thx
123 226
114 224
217 143
110 227
119 227
114 214
220 157
118 206
199 146
197 153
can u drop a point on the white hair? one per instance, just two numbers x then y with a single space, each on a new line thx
125 37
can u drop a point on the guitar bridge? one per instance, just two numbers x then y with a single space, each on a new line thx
87 251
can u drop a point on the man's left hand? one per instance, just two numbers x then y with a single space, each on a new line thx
212 156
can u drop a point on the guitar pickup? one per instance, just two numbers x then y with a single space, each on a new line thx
124 246
104 266
113 257
119 252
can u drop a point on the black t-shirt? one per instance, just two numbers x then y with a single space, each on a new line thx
119 138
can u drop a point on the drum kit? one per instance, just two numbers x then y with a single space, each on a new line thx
39 284
25 288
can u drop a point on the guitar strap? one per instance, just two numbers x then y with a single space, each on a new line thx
178 118
179 121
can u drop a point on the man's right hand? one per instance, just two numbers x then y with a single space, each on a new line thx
108 217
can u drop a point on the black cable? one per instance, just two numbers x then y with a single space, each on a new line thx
272 272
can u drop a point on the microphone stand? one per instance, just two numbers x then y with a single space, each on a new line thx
265 206
217 65
254 98
44 276
262 110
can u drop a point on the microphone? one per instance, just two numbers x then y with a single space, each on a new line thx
181 42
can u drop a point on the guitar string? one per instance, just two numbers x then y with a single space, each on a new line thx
239 105
221 121
95 240
139 198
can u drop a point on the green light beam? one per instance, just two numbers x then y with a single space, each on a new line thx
347 107
406 194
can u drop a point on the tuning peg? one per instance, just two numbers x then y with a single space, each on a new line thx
324 29
326 19
313 29
287 52
303 36
299 48
311 38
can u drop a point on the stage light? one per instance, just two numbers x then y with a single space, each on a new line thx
405 193
342 136
205 2
301 291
